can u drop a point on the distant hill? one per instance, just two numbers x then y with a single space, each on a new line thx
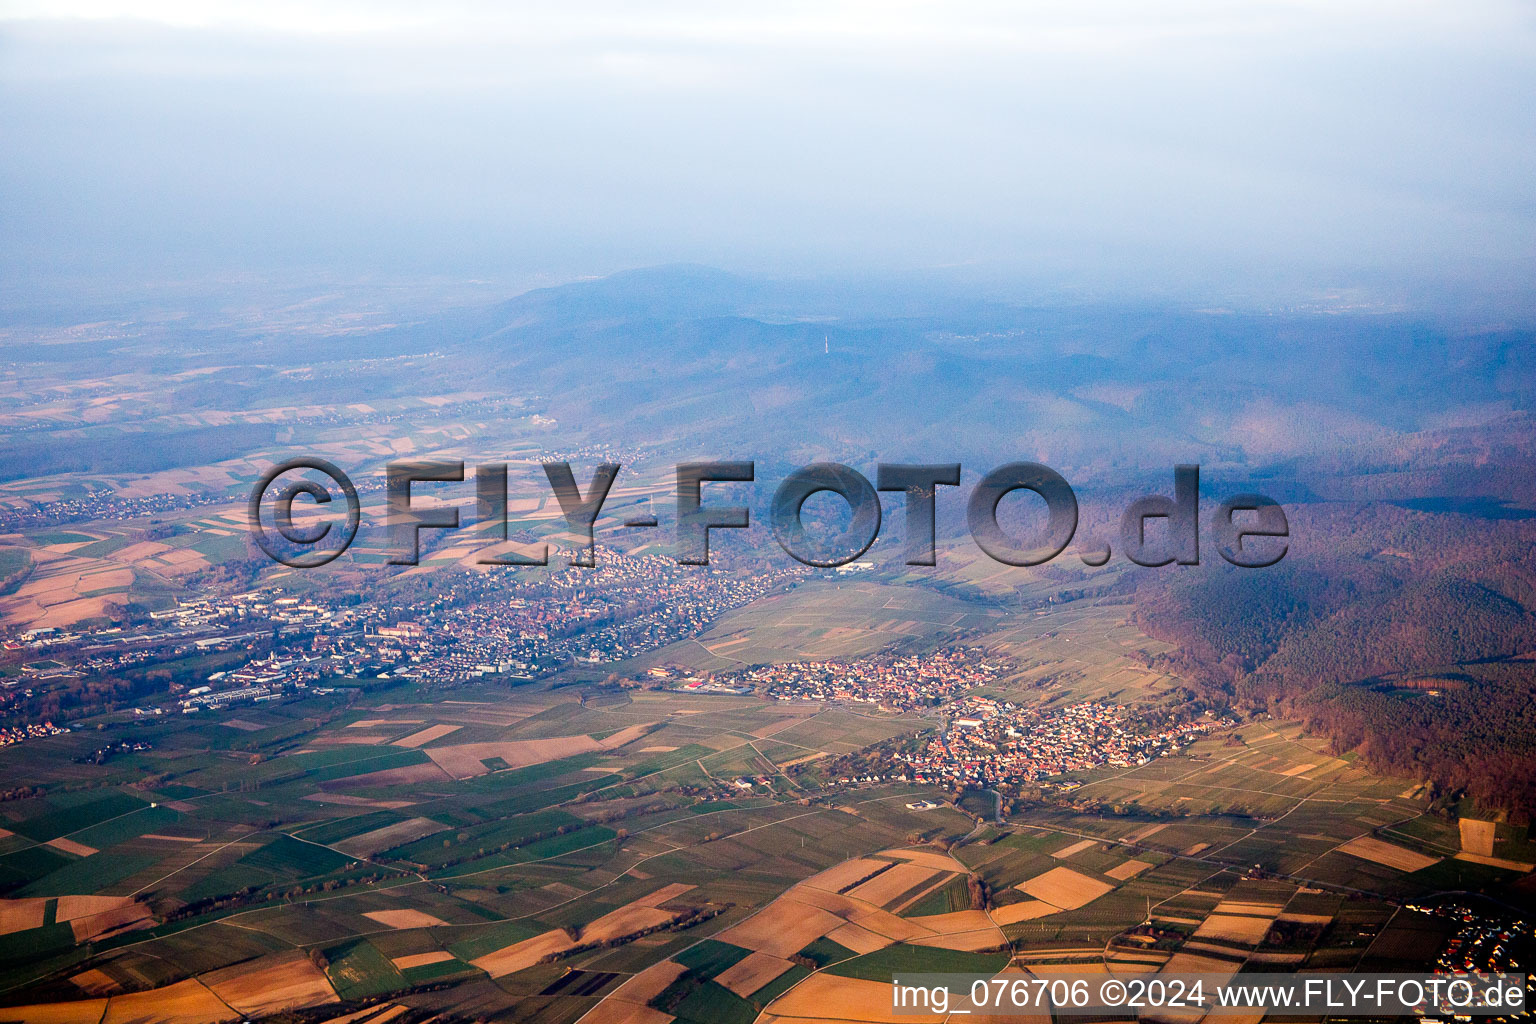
693 355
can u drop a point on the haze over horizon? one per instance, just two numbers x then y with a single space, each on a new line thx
1361 155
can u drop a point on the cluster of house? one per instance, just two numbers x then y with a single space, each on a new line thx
991 741
622 607
892 682
95 506
17 733
1486 940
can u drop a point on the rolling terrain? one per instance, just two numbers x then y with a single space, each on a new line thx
384 793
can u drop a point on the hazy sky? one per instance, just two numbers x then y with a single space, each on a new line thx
1383 151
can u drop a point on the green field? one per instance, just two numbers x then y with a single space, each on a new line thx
59 537
69 815
359 970
709 957
882 964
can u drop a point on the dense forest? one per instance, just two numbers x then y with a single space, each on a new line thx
1405 636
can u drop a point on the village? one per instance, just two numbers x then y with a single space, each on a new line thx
10 734
256 646
992 742
889 681
984 739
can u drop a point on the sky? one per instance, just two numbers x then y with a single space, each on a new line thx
1334 153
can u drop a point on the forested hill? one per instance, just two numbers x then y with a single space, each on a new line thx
1407 636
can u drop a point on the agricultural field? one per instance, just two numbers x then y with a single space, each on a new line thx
590 847
823 620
